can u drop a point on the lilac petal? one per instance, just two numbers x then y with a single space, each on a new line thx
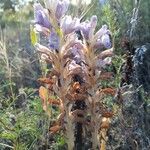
78 55
75 52
79 45
93 21
74 68
88 27
93 24
40 16
54 40
102 38
61 8
106 41
69 25
103 42
66 24
85 27
103 30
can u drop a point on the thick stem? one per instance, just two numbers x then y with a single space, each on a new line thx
80 105
70 138
95 137
95 141
69 131
78 132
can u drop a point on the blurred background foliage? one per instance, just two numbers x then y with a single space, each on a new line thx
23 124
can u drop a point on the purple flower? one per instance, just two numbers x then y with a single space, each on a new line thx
93 21
68 24
74 51
54 40
61 8
88 27
74 68
106 41
85 28
102 38
103 42
103 30
57 7
40 16
77 52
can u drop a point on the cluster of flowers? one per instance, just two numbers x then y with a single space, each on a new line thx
78 56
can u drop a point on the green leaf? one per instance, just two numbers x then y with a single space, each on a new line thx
8 135
33 35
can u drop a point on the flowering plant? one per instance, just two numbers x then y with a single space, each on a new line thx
78 55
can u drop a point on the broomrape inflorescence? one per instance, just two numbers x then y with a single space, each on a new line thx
78 56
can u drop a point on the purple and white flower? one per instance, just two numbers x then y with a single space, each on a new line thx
57 7
103 30
40 16
69 25
88 27
54 40
61 8
106 41
102 38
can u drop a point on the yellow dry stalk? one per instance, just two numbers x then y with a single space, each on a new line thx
103 133
103 140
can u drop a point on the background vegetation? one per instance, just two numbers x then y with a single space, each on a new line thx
23 124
